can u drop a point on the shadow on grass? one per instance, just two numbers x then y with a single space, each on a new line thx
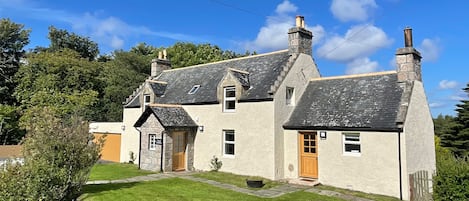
96 189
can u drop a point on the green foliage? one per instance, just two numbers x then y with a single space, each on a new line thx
58 154
13 38
215 164
63 81
10 132
62 39
187 54
451 181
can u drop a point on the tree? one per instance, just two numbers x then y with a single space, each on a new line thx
10 132
62 81
13 38
58 156
461 144
61 39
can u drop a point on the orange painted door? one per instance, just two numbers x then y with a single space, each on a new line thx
308 155
179 150
112 146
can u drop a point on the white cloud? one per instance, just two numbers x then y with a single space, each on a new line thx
106 30
352 10
447 84
318 33
430 49
359 41
436 105
286 7
361 65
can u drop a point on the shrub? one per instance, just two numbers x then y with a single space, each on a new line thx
451 181
215 164
58 156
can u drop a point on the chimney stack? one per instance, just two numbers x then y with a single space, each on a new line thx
300 39
408 60
160 64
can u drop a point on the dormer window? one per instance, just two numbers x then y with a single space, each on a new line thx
229 99
146 101
194 89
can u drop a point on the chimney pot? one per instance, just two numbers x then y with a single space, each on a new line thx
160 55
408 37
300 21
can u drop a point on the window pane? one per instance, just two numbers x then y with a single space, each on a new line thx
147 98
354 138
313 150
306 143
306 136
230 105
230 92
354 148
229 136
306 150
229 149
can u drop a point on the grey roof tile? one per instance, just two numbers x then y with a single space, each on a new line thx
361 103
168 116
263 70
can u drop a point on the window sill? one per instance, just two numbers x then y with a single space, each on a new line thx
351 154
228 156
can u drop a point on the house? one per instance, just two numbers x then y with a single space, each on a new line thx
273 115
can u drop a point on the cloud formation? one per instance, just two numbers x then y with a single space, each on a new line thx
447 84
361 65
274 34
436 105
352 10
358 42
430 49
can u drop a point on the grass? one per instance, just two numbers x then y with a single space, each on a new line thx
112 171
358 193
237 180
180 189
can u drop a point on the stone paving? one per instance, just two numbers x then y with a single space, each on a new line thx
264 193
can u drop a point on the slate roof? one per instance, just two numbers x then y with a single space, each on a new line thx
263 71
353 103
168 116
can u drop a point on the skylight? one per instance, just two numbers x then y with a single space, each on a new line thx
194 89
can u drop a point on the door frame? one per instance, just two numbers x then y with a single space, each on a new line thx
300 152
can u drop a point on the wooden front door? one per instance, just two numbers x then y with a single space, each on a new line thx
179 151
308 154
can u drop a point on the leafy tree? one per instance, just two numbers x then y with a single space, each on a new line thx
61 39
63 81
10 132
13 38
58 154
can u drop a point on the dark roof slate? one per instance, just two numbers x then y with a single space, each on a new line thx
354 103
263 71
169 117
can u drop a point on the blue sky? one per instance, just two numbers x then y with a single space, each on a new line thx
350 36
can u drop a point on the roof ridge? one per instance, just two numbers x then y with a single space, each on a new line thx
228 60
353 76
157 81
163 105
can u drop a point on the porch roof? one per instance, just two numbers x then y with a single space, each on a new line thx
170 116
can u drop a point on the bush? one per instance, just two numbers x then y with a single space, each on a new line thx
58 156
451 181
215 164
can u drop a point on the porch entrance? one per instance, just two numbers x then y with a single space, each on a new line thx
308 154
179 150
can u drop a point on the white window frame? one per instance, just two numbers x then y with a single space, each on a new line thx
145 103
345 141
228 99
290 97
194 89
152 141
225 142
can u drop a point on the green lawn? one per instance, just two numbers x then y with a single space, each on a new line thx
112 171
179 189
233 179
358 194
